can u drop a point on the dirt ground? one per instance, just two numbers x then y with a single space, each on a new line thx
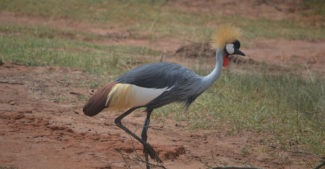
42 124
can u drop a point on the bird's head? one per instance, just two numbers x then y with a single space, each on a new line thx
226 39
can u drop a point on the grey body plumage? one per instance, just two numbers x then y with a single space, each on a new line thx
183 84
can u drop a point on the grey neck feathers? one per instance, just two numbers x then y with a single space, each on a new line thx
208 80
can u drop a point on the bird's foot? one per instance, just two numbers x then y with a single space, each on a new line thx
152 153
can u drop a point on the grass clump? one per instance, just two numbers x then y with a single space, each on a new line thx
288 106
29 46
142 17
316 6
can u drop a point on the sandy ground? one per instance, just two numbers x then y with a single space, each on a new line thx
42 124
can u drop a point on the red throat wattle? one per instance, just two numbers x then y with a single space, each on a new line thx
225 61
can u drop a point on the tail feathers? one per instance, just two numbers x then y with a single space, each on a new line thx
98 101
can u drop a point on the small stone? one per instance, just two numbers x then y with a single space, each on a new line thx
26 111
19 116
11 102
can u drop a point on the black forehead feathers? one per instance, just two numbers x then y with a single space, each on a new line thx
236 44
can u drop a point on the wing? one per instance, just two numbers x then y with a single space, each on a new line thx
152 85
157 75
182 83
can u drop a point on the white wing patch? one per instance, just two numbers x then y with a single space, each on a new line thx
142 96
124 96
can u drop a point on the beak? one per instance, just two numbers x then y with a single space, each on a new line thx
238 52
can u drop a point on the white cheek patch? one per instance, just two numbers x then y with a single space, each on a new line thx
230 48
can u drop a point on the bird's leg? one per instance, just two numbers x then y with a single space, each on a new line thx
147 146
144 136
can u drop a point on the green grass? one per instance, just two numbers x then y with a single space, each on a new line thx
159 22
317 7
36 46
285 29
288 106
45 32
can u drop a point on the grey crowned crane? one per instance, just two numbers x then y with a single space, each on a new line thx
154 85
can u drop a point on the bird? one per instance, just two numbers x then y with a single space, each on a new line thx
154 85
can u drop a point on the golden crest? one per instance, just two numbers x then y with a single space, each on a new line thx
224 34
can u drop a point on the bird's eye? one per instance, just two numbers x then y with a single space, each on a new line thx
230 48
237 44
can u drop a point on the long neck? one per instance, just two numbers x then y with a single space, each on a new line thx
208 80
